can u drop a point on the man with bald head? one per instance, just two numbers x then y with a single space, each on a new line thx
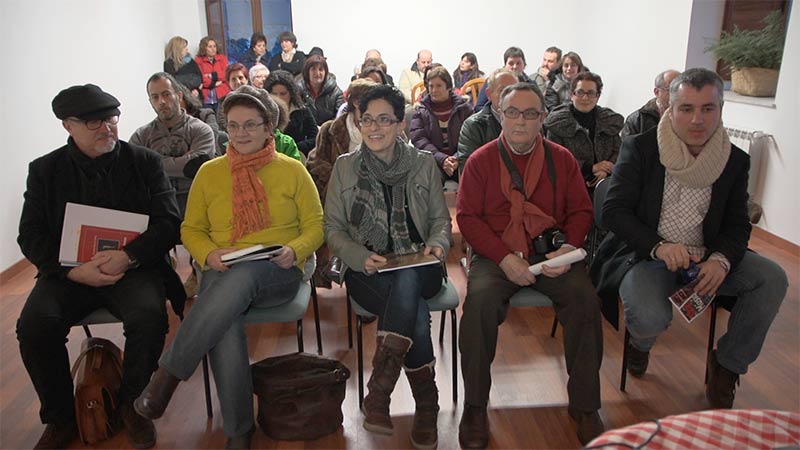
484 126
648 115
413 76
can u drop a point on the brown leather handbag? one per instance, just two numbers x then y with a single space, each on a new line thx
97 374
299 395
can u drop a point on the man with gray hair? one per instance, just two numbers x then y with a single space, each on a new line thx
413 76
522 201
676 209
648 115
184 142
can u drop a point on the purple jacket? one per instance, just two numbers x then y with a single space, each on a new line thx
426 134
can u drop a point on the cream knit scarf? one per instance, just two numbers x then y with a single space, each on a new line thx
695 172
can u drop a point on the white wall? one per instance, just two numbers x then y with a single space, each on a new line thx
115 44
118 44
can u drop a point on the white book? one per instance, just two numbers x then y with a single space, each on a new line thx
89 229
252 253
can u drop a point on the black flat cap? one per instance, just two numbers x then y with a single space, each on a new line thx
85 102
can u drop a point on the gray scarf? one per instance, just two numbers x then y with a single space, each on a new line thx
369 214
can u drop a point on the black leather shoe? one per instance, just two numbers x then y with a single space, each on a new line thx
637 361
155 397
141 431
589 425
240 442
721 387
58 435
473 431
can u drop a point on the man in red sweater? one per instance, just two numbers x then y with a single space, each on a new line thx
502 223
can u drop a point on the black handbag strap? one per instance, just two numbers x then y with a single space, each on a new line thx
516 178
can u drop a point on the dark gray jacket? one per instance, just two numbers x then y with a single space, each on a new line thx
477 130
642 119
328 101
563 128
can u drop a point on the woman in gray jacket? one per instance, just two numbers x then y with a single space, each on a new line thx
386 197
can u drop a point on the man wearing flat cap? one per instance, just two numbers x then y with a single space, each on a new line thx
95 168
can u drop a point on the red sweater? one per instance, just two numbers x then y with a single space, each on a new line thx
482 211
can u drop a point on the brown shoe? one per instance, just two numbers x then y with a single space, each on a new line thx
721 387
424 433
389 355
473 431
156 395
58 435
589 425
141 431
637 361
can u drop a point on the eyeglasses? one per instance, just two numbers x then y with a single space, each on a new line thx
96 123
383 121
528 114
589 94
249 127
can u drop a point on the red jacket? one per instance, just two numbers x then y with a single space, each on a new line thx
482 211
218 67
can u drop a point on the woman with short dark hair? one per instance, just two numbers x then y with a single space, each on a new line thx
289 59
386 197
589 131
302 125
257 53
212 65
436 122
319 89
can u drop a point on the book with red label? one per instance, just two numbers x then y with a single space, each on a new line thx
95 239
90 229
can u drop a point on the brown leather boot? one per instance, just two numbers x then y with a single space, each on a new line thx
141 431
389 355
721 387
473 430
156 395
589 424
424 435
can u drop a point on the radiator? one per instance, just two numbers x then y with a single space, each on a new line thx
756 144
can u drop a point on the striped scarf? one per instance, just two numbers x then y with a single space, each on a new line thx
369 214
250 205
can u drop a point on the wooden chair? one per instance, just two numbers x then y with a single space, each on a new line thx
417 91
472 89
446 300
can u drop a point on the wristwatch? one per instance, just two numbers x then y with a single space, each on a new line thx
133 263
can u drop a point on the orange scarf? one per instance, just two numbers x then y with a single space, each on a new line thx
248 191
527 220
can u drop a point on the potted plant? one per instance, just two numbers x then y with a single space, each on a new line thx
754 56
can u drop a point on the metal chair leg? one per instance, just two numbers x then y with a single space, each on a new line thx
316 316
555 327
712 329
623 377
207 387
300 335
454 330
441 327
86 330
360 362
349 319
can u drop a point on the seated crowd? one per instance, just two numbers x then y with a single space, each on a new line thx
249 152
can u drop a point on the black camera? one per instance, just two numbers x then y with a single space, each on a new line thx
550 240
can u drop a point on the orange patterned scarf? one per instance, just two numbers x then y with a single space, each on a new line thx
527 220
250 205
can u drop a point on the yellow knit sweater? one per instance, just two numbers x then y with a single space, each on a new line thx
294 209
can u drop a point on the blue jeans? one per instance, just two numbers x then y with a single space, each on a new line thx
758 283
398 299
215 326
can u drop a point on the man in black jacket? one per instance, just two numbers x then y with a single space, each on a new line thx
95 168
649 114
678 201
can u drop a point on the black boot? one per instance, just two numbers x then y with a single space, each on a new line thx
156 395
721 387
58 435
389 355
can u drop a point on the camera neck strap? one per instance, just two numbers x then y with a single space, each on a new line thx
516 178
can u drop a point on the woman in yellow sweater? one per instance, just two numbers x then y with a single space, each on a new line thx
252 195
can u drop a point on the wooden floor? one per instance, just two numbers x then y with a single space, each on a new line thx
528 404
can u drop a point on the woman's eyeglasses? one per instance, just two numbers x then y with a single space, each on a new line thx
588 94
249 127
384 120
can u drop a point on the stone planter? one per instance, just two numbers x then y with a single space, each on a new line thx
755 81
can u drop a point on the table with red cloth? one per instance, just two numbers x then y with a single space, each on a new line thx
742 428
